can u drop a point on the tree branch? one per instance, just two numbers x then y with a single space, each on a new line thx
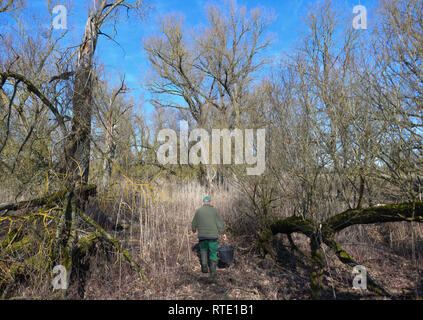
48 201
389 213
32 88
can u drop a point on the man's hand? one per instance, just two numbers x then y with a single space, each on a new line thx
225 237
195 233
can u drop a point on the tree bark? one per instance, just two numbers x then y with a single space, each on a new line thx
316 267
77 153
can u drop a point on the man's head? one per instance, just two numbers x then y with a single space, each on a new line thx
206 200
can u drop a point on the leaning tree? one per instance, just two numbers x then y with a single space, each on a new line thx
68 96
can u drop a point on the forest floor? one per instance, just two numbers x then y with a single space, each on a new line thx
252 276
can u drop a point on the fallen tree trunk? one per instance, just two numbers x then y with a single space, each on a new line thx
67 248
345 258
325 232
389 213
105 235
47 201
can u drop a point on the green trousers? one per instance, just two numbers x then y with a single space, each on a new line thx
211 246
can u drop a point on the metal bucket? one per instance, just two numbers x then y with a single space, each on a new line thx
226 254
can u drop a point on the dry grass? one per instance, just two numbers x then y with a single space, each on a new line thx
157 234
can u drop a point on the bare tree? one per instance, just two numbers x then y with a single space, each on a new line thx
78 148
213 68
208 75
330 144
41 90
110 110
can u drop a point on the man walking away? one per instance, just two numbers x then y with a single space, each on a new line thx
208 223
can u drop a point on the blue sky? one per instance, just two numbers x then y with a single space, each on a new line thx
128 57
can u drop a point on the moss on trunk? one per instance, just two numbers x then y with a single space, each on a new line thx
316 268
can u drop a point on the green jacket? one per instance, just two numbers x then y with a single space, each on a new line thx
208 222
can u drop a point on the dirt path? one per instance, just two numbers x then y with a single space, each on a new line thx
251 277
